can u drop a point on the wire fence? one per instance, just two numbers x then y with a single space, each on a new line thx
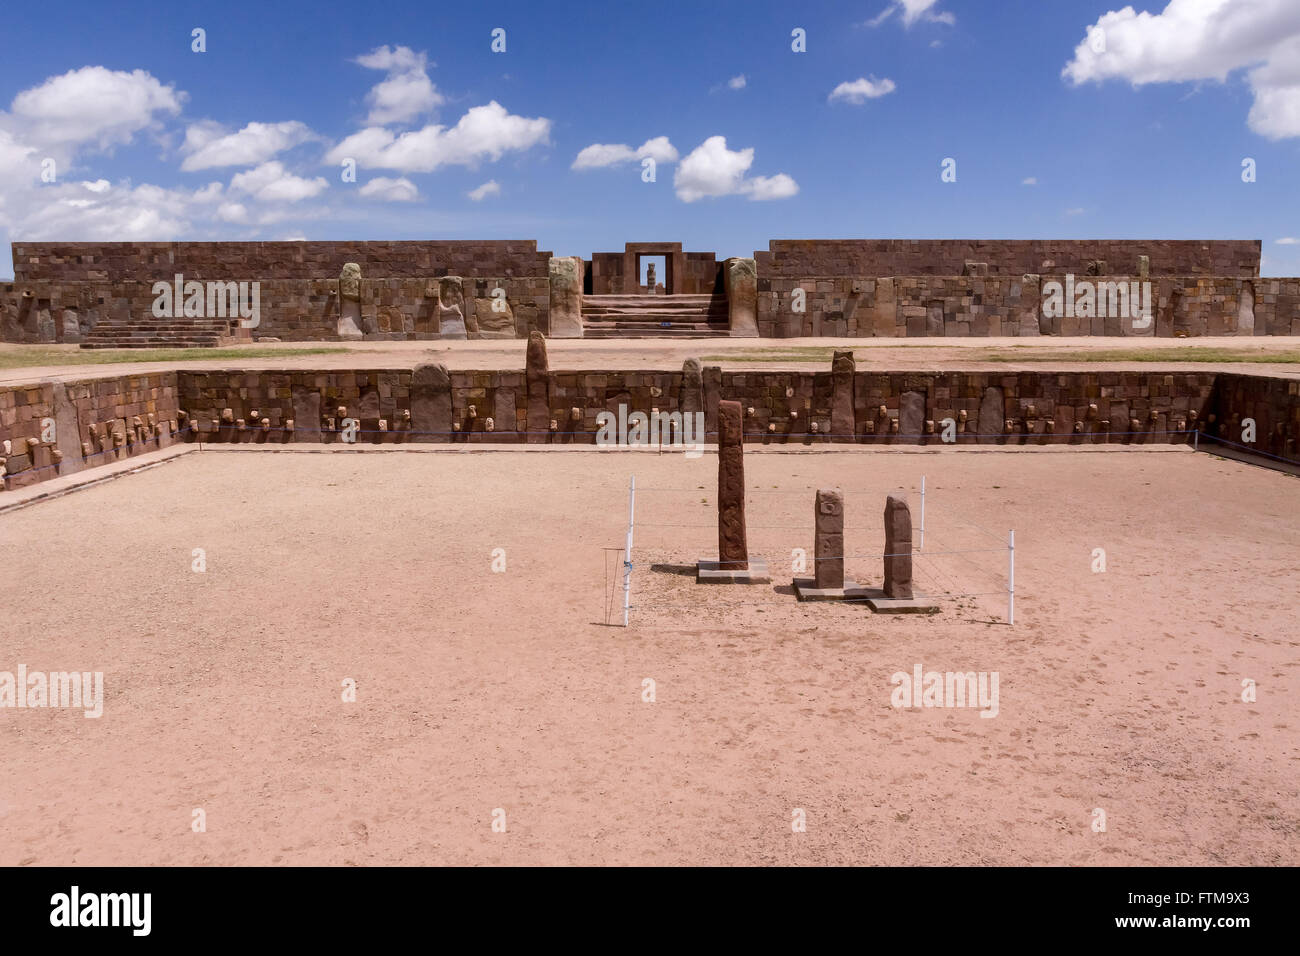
951 572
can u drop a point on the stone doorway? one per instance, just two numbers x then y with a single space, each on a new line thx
653 274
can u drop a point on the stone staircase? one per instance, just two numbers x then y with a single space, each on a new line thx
148 332
653 316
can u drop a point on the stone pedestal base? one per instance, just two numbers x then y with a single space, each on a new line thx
916 604
806 589
708 571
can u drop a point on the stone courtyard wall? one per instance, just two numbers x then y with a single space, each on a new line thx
149 262
854 288
99 420
969 305
796 258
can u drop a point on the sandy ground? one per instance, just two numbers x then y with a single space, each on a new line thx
888 354
480 690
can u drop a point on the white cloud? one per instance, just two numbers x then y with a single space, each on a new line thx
737 82
862 89
1193 40
98 186
209 145
407 91
92 105
271 182
484 132
1075 211
912 11
232 212
713 170
599 155
489 188
1288 241
1029 181
391 190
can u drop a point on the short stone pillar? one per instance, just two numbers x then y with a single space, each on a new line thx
843 422
734 564
650 277
898 547
828 582
537 382
349 325
740 279
565 274
897 596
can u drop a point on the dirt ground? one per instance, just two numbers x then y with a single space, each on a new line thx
476 690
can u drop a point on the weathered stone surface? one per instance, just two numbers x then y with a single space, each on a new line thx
350 282
843 427
503 410
733 553
565 274
712 392
451 308
992 421
430 404
306 414
67 431
349 324
692 397
494 318
898 548
828 544
911 416
740 278
537 381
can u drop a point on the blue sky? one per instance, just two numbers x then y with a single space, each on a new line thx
1143 138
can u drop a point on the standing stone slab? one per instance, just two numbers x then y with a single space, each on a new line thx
843 423
740 279
734 565
733 552
712 391
430 404
565 274
911 417
692 397
306 414
828 582
992 422
828 544
67 431
897 596
349 325
898 548
537 381
451 308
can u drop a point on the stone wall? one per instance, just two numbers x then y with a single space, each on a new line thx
151 261
96 421
796 258
886 407
971 305
1273 403
105 419
291 309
